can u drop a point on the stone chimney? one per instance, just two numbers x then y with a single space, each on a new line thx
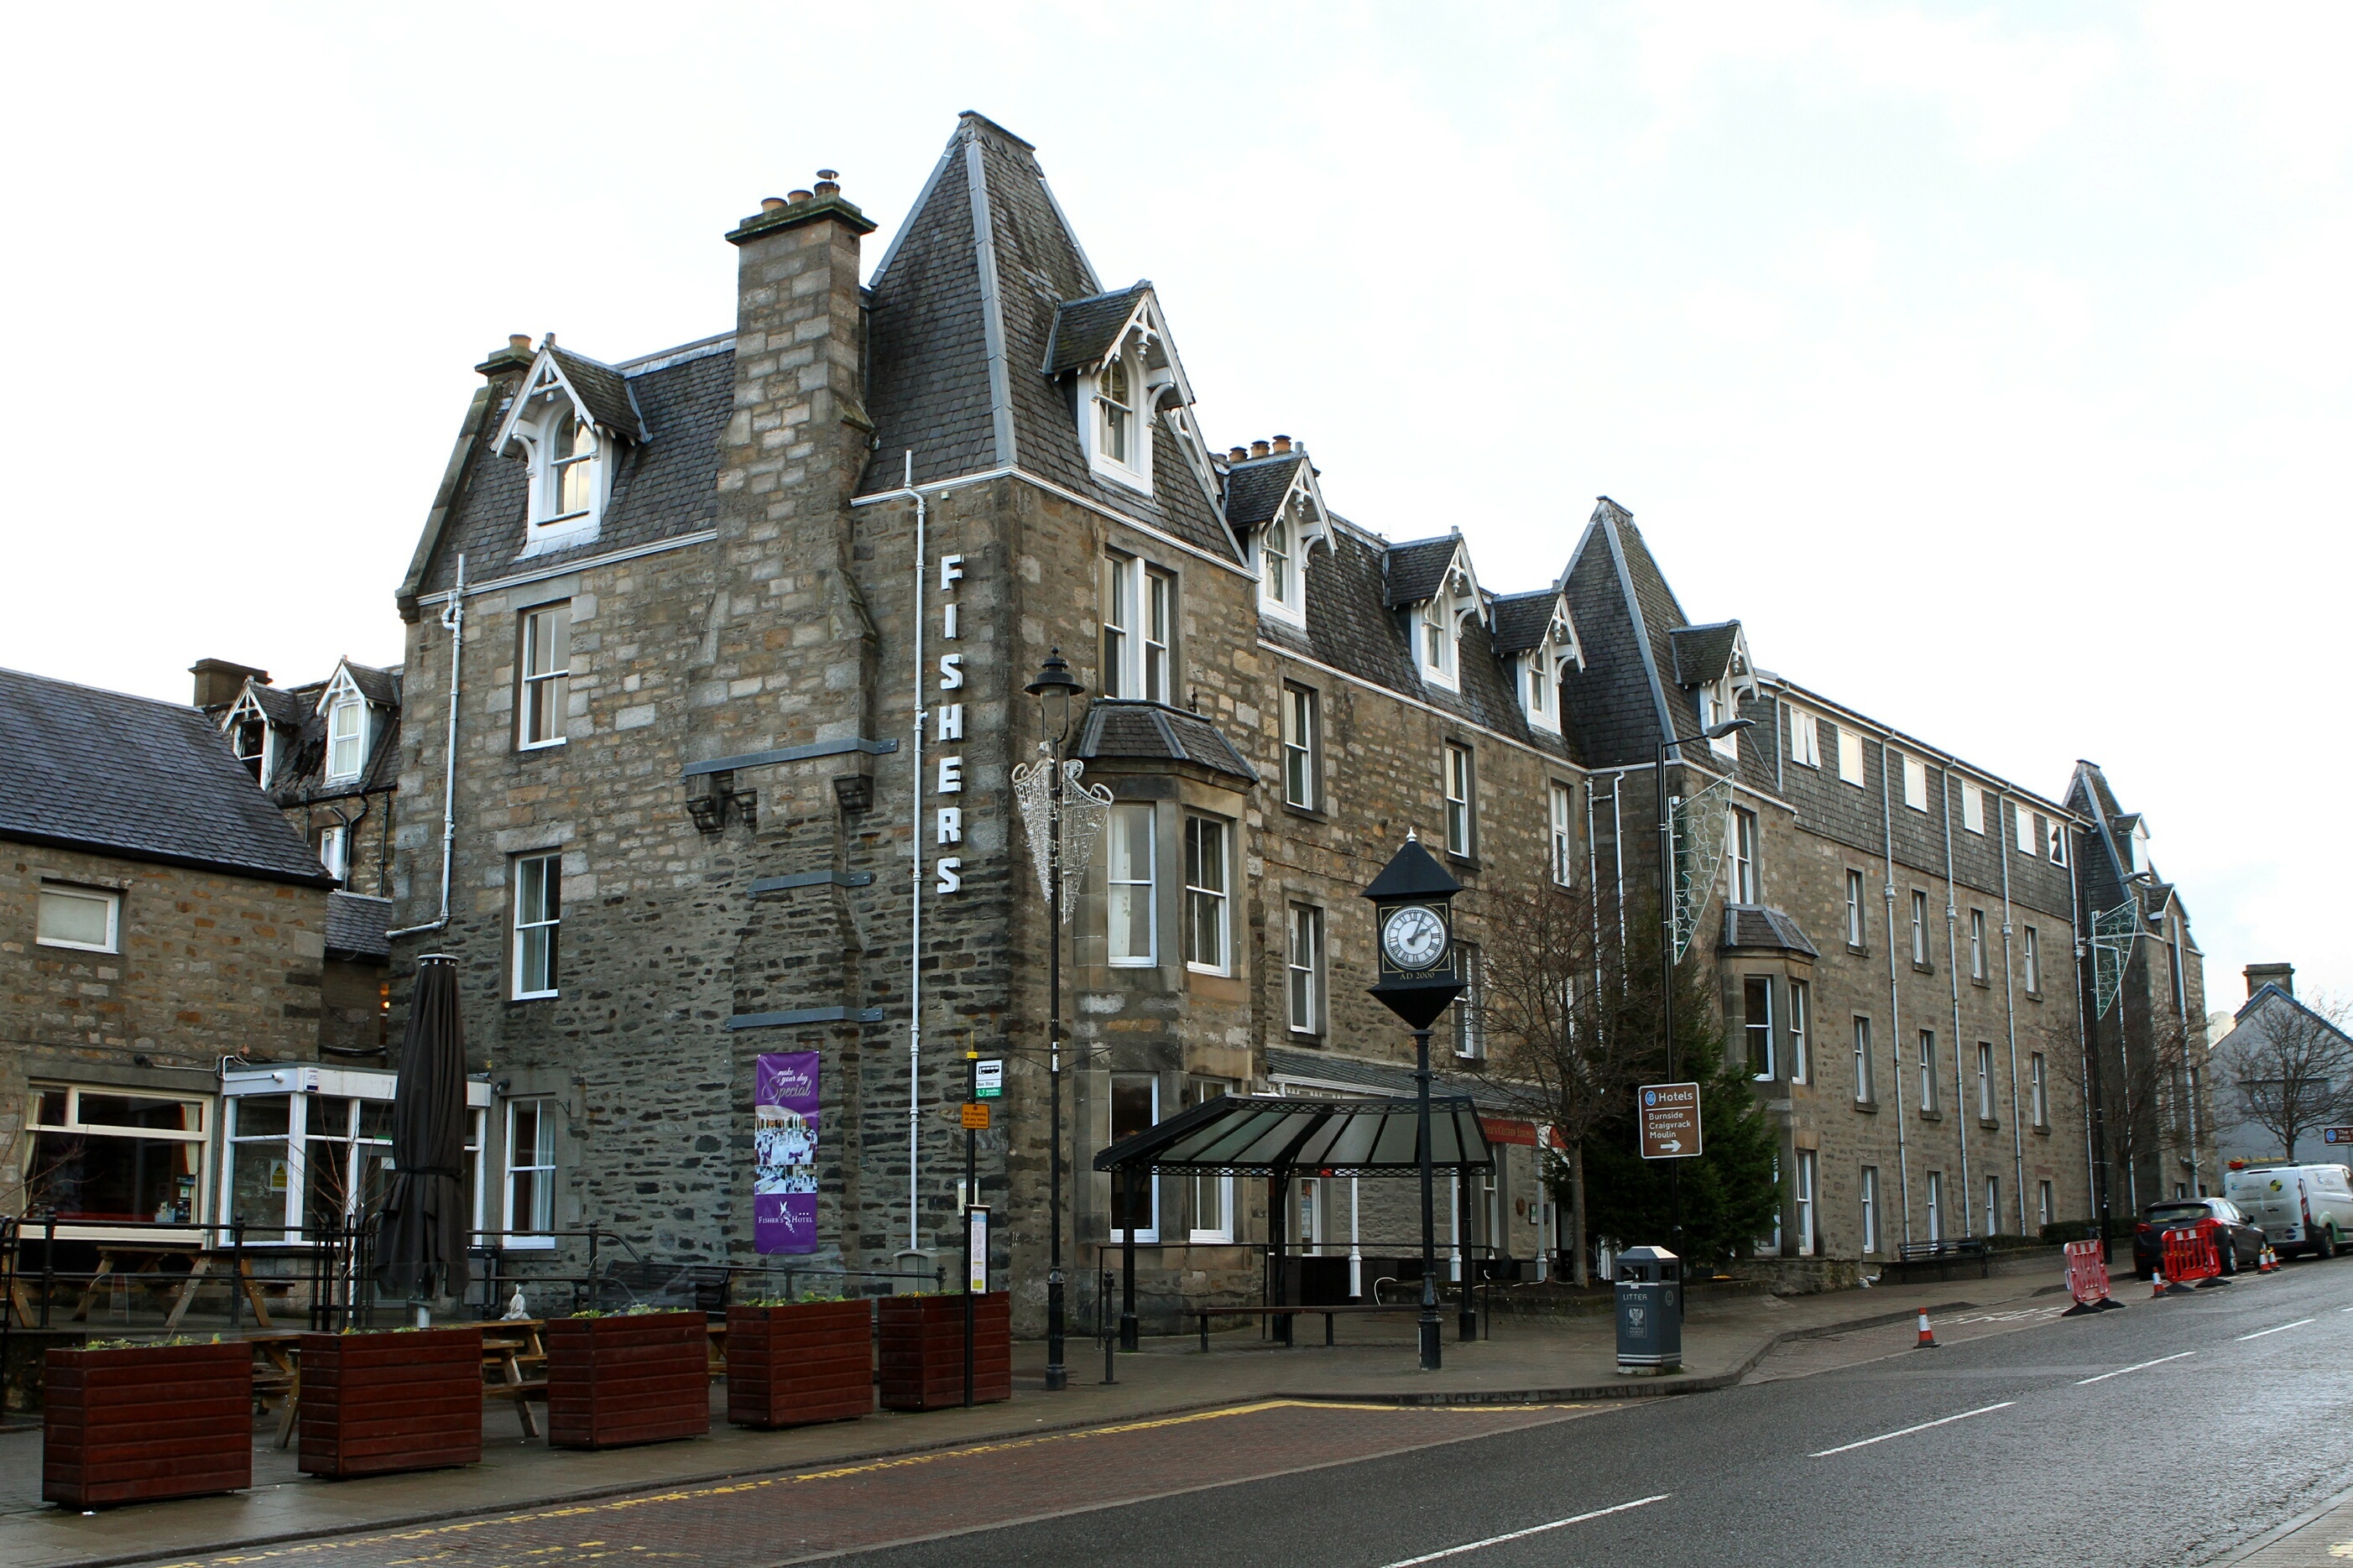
218 682
2280 974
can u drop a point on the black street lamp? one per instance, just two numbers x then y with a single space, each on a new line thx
1055 688
1413 912
1667 940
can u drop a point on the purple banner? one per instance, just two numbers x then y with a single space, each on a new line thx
784 1153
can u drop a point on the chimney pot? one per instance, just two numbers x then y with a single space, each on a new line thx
2280 974
798 197
518 341
771 203
1283 444
828 174
1238 455
826 183
1258 448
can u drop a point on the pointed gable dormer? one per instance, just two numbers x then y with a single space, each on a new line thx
1276 509
569 423
256 731
1112 352
352 718
1431 581
1537 639
1712 663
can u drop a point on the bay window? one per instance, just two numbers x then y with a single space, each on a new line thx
1208 909
1128 894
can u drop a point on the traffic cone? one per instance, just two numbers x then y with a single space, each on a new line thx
1928 1335
2157 1279
2268 1263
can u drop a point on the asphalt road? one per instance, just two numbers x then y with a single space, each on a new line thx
2171 1432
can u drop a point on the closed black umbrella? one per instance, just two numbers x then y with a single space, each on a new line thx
421 1241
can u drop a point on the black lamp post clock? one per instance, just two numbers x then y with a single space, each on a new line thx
1413 910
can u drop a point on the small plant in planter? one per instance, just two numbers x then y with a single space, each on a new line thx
922 1349
617 1379
792 1362
133 1423
410 1399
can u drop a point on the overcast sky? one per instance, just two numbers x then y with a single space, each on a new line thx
1991 365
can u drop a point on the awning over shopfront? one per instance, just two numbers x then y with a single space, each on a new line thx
1273 1135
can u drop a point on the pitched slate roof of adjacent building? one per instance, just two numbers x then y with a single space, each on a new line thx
1119 727
1254 489
960 317
605 390
117 774
356 924
663 489
1522 619
1417 569
300 774
1701 653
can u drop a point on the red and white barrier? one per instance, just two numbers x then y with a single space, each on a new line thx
2190 1258
2088 1276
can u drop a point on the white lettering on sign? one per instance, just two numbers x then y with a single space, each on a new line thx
951 569
951 671
948 620
947 822
949 881
951 721
951 776
951 825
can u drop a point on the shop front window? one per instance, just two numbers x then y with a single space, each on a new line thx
109 1154
305 1165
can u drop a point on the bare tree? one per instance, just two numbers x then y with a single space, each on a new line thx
2292 1068
1567 1036
2141 1096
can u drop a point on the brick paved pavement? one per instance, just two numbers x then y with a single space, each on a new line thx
789 1518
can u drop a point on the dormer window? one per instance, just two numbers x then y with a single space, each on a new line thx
1438 640
572 462
571 419
249 739
1115 405
1717 703
346 738
1274 561
1537 671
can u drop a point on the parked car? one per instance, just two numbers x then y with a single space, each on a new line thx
2302 1208
2238 1240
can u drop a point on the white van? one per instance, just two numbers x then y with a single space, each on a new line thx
2302 1208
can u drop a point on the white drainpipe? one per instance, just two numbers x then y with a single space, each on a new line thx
453 620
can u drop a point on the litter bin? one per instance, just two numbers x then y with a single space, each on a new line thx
1650 1310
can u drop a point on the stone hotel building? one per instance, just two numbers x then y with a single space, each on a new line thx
735 635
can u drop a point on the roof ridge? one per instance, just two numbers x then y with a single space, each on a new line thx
110 691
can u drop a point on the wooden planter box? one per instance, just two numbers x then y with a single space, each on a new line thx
923 1349
373 1404
146 1422
612 1382
813 1361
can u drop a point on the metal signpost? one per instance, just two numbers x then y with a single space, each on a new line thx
1669 1120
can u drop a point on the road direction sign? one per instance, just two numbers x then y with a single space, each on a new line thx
2337 1135
975 1116
988 1079
1669 1114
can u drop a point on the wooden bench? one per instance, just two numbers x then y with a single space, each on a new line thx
1287 1313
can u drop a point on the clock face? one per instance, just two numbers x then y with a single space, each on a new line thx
1414 936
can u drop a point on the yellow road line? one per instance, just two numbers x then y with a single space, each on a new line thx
728 1489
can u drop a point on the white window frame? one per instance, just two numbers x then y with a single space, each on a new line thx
1719 700
2058 836
1740 827
528 1237
1857 930
1753 1033
1147 1234
1919 927
551 972
1805 739
198 1138
1972 808
1801 1066
1469 1007
1213 892
1105 413
347 738
1915 784
1977 944
2025 838
546 412
1159 633
543 691
1802 1195
1863 1085
1867 1191
1985 1081
335 851
1993 1205
1303 746
1121 673
1303 971
1936 1207
2045 1201
1218 1190
1129 811
1852 768
1460 773
1561 809
2038 1084
1139 616
1280 577
1930 1104
1439 656
109 897
2031 954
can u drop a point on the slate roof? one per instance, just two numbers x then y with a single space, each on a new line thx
1084 329
1122 728
282 707
381 687
1254 489
1417 569
1701 653
1381 1077
1522 619
1754 925
113 773
985 261
605 390
661 488
356 924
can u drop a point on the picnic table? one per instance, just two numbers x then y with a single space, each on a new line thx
141 1262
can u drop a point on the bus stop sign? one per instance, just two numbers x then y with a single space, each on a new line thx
1669 1120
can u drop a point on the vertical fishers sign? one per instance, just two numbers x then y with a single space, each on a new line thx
784 1153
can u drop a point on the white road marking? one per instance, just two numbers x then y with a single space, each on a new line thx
2284 1327
1906 1432
1517 1534
2134 1367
